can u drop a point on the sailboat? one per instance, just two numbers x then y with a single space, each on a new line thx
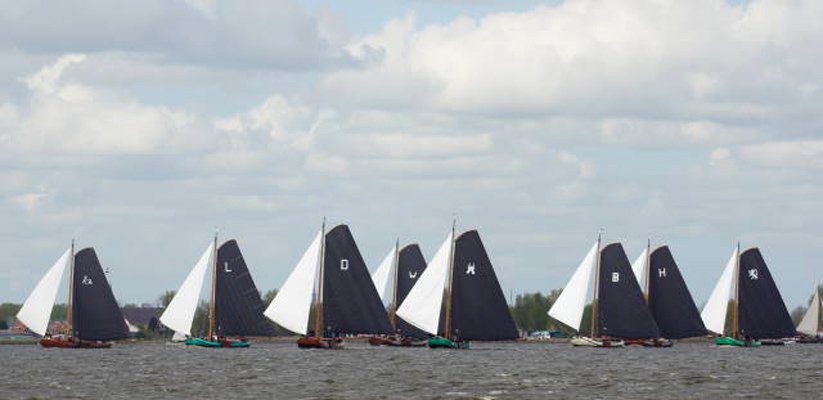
666 293
93 317
757 309
235 307
619 310
331 282
458 297
400 269
810 326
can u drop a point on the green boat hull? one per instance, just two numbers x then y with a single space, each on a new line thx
730 341
439 342
214 343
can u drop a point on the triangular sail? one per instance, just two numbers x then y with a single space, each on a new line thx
762 313
290 308
669 298
479 308
640 268
714 312
351 304
622 310
96 313
410 266
179 314
422 306
810 322
569 306
238 306
36 311
382 275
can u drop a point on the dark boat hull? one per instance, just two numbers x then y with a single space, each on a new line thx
63 343
395 342
313 342
658 342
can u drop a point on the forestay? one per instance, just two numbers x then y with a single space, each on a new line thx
36 311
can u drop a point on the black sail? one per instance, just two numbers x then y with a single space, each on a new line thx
622 310
351 304
410 265
96 315
479 308
237 304
669 299
762 313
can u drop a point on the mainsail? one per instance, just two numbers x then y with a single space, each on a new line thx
715 310
238 307
569 306
762 313
622 310
96 313
422 306
290 308
179 314
810 324
36 311
351 304
410 266
479 308
669 298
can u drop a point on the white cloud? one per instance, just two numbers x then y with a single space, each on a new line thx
802 154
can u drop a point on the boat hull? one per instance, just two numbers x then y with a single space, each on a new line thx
70 343
810 339
223 343
582 341
439 342
396 341
657 342
730 341
313 342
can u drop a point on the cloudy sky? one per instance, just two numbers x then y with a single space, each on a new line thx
140 127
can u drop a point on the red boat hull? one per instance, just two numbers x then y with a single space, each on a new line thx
659 342
64 343
313 342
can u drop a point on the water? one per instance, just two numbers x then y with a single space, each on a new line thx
488 371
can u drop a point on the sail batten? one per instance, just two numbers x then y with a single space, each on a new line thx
290 308
179 314
714 312
422 306
36 310
569 306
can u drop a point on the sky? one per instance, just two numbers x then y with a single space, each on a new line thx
140 128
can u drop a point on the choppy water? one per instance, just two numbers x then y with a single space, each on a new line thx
508 370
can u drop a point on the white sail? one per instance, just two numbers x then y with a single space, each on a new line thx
382 274
809 323
178 337
714 312
179 314
36 311
568 308
640 268
290 308
422 305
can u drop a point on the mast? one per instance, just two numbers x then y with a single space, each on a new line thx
736 277
647 269
395 276
596 280
447 323
213 288
318 304
69 306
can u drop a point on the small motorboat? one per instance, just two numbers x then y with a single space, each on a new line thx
583 341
